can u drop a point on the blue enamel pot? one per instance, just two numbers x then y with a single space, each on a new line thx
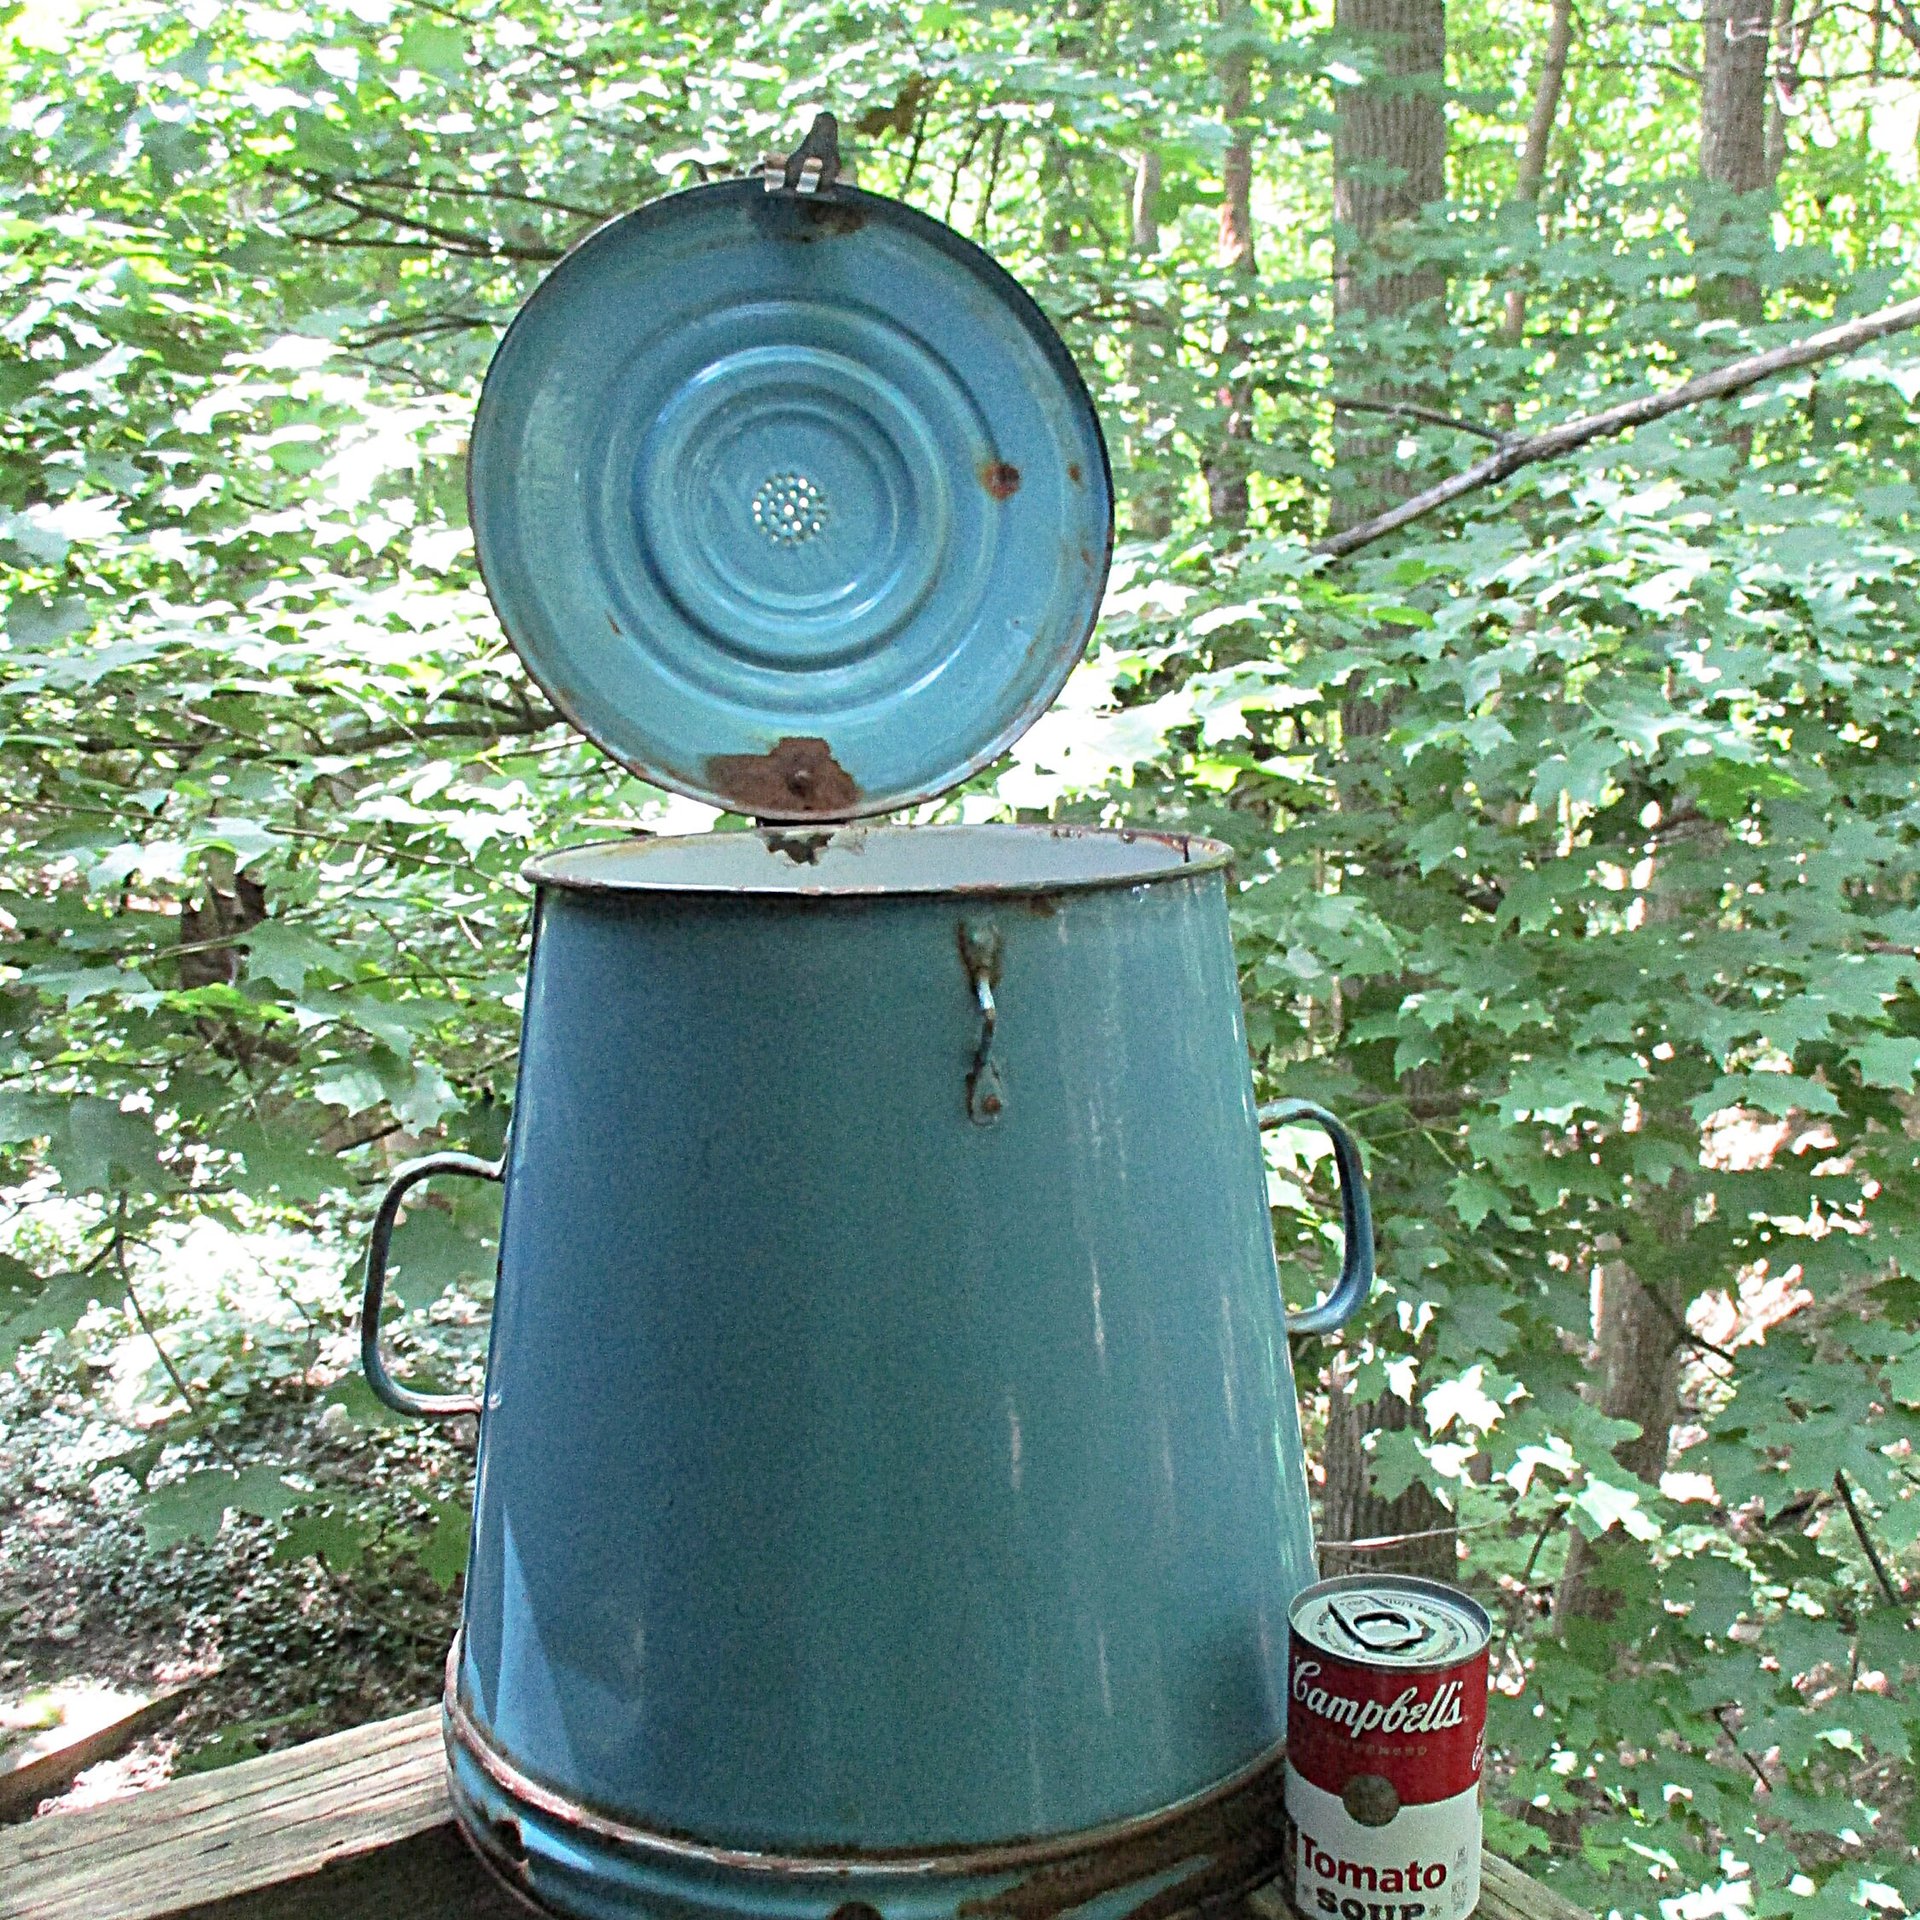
890 1482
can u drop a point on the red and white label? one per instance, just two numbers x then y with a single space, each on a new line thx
1423 1865
1424 1732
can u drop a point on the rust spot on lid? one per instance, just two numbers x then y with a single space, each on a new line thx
796 778
1001 478
1073 473
831 216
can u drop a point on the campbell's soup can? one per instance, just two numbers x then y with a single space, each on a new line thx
1386 1731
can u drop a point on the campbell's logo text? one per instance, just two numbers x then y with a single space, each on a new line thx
1406 1713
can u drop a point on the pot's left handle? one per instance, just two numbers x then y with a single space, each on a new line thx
428 1406
1356 1217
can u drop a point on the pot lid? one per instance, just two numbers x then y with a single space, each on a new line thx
790 497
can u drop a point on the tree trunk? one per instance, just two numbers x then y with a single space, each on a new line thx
1229 467
1734 92
1151 508
1351 1510
1733 95
1639 1360
1146 203
1389 151
1389 161
1547 89
1639 1315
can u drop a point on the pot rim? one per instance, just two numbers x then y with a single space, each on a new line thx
987 860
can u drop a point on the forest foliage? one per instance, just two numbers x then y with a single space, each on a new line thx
1604 939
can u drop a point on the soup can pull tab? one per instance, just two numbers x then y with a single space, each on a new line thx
1356 1217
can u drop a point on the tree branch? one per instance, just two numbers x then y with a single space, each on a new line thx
1904 24
431 189
1407 410
538 721
434 240
1844 1487
1735 377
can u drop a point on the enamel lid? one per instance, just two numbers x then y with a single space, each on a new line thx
791 500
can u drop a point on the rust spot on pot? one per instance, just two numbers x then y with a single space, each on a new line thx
1001 478
831 216
1228 1845
803 849
612 622
1074 474
980 951
1045 905
796 777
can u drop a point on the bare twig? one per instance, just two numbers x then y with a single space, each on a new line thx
458 239
432 189
119 1251
1548 86
344 237
117 1247
1407 410
1904 24
1735 377
1677 1322
1546 1533
1380 1542
1753 1765
993 179
1844 1487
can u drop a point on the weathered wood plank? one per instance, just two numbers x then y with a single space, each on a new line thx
209 1837
1507 1894
433 1876
352 1827
28 1781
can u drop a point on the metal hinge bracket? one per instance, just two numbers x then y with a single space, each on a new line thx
980 955
811 168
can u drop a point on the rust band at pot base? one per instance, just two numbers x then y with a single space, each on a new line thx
569 1859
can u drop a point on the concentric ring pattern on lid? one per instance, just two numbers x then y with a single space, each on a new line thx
796 505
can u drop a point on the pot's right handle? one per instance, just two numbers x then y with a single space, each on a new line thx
427 1406
1356 1215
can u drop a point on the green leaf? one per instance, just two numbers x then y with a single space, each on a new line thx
1602 1506
433 1249
241 1741
436 47
195 1507
1889 1062
57 1307
103 1147
285 955
442 1551
328 1533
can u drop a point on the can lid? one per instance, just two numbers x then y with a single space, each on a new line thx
1391 1620
790 497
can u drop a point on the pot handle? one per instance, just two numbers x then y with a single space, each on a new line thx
1356 1216
386 1389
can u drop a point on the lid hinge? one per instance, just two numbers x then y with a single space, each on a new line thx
811 168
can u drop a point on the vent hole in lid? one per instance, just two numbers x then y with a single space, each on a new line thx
789 508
